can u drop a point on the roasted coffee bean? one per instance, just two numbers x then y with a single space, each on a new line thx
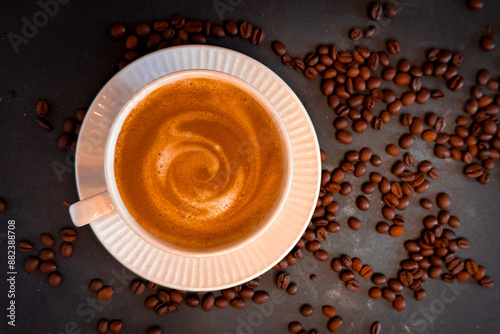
392 149
298 64
363 203
486 282
246 293
260 297
47 240
105 293
366 271
68 235
335 324
406 141
448 278
160 25
393 46
346 276
321 255
294 327
192 300
31 264
237 303
217 31
344 137
152 301
390 10
487 43
370 31
456 83
103 326
42 108
475 4
142 29
346 261
25 246
95 285
311 73
376 11
258 36
388 294
473 170
375 293
46 254
221 302
230 27
48 267
471 267
375 160
306 310
283 281
399 303
396 230
443 201
154 330
246 29
353 285
378 279
455 266
138 287
116 326
152 286
356 34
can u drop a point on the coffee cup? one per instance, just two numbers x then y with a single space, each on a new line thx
197 163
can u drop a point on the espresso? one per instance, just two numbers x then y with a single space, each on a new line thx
199 163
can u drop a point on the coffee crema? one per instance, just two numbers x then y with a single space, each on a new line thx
199 163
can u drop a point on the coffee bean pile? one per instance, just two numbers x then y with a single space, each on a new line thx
346 78
45 259
347 75
157 35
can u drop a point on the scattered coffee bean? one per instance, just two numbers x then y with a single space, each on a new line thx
306 310
42 108
116 326
25 246
31 264
138 287
48 267
103 326
154 330
376 11
68 235
105 293
335 324
475 4
95 285
283 281
55 279
376 328
393 47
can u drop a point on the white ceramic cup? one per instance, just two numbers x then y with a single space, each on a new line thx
100 206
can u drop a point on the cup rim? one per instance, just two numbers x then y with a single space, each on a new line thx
116 128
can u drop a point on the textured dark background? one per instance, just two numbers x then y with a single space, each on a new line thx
72 57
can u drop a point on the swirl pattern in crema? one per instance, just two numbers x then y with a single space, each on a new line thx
199 163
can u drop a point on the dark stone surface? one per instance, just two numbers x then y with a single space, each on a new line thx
71 57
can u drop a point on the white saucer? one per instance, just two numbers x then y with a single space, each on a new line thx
221 271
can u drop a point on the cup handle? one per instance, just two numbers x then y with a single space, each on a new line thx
91 209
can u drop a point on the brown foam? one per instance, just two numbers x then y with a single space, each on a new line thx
198 163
